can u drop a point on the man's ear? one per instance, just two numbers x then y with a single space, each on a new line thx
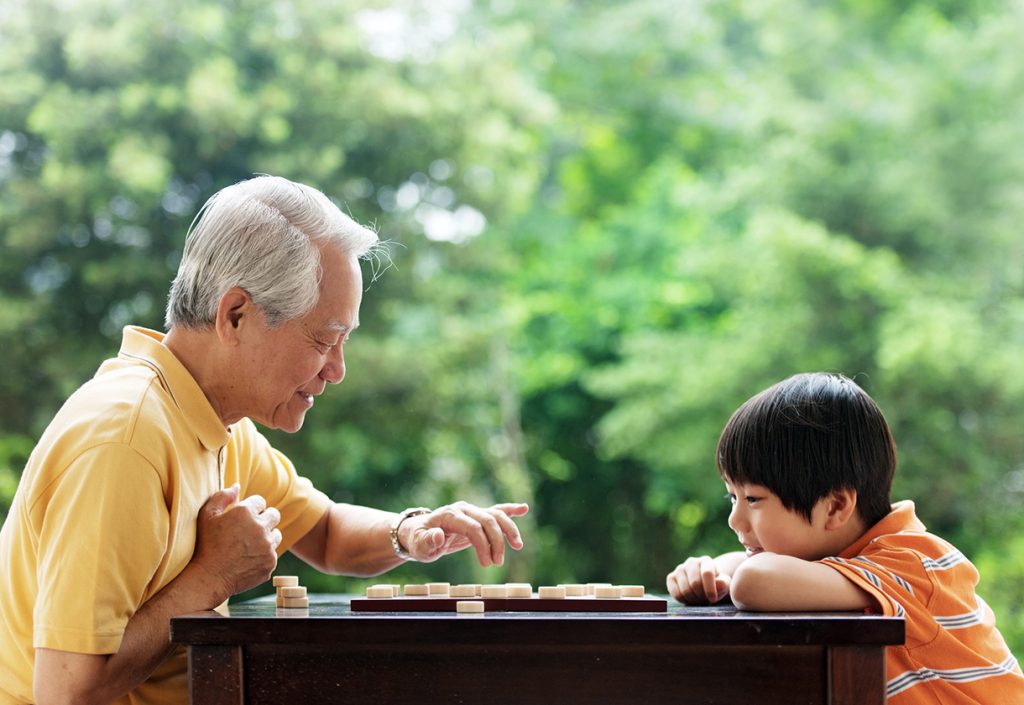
234 310
841 506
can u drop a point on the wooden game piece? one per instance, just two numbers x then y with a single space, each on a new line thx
414 590
464 591
469 606
294 602
285 580
519 590
556 592
574 589
632 590
380 591
592 587
607 592
494 591
438 588
291 591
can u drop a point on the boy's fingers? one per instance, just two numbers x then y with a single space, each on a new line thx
708 576
722 585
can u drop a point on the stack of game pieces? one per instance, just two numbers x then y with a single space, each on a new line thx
289 593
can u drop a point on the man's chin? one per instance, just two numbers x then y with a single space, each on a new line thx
294 426
289 425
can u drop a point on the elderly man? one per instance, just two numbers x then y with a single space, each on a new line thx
152 494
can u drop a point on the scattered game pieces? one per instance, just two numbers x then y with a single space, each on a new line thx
508 597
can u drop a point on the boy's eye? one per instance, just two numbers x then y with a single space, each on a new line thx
753 500
731 497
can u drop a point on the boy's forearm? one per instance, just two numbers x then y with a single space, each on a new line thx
771 582
727 563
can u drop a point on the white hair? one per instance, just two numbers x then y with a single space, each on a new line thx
262 235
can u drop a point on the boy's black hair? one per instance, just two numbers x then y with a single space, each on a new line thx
808 436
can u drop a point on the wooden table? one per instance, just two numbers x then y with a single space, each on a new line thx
329 654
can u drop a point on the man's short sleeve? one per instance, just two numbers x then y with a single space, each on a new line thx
104 534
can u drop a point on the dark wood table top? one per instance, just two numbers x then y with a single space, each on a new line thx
330 617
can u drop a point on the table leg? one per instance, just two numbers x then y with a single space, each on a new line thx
856 675
215 675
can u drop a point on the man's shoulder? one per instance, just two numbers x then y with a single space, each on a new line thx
122 404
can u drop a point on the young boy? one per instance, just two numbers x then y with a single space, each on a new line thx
808 465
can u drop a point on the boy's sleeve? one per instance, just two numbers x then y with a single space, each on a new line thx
893 577
103 536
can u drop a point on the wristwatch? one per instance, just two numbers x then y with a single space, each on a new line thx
395 544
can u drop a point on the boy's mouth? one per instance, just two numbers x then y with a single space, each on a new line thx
753 550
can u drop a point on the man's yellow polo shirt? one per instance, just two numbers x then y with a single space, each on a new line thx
105 513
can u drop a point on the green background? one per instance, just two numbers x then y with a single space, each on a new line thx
610 224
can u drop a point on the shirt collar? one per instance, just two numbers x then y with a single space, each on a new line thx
901 518
146 346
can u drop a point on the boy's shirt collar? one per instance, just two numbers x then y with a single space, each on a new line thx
901 518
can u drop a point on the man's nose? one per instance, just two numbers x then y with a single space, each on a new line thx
334 367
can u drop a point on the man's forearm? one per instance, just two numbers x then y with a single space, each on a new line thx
64 677
351 540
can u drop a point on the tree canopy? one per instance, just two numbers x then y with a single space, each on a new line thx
610 223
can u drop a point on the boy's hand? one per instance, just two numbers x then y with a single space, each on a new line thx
698 581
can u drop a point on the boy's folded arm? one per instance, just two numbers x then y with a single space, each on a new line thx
727 563
771 582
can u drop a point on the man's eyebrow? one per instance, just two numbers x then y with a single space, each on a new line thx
341 328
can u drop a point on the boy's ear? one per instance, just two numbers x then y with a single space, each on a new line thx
842 506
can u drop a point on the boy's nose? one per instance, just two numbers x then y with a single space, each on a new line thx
736 520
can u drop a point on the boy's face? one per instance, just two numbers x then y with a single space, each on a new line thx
762 523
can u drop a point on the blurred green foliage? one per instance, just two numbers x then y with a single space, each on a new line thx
612 222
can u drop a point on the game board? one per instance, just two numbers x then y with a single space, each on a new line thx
511 597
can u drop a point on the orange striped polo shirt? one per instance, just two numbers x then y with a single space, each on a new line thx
953 653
